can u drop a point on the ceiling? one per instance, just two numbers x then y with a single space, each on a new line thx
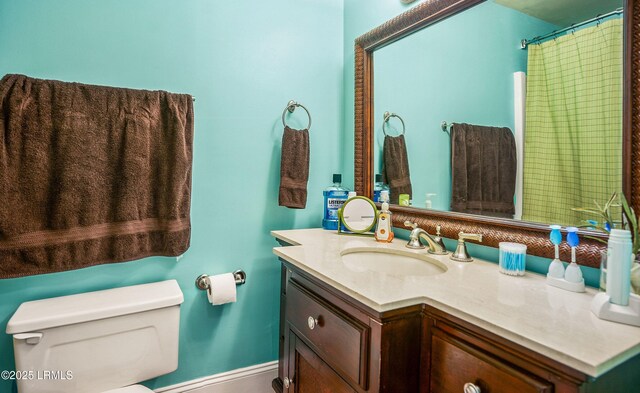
562 13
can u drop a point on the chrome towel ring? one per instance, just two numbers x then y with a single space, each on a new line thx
388 116
291 106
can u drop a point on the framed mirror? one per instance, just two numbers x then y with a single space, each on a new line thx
460 62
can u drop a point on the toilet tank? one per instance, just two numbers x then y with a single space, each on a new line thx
96 341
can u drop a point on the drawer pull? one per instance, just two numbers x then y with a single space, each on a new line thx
287 383
471 388
312 322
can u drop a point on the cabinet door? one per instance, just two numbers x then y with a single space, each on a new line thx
308 373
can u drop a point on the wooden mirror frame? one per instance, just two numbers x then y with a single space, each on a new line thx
494 230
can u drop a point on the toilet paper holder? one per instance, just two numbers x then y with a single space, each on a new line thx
239 275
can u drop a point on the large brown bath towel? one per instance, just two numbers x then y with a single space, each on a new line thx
294 168
396 167
91 175
483 170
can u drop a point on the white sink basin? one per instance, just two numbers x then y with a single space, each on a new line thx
391 261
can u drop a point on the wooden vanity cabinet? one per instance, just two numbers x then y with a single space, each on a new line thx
331 343
458 355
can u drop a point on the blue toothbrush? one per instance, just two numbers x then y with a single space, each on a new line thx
573 272
556 268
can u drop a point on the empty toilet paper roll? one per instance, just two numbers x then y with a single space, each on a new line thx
222 289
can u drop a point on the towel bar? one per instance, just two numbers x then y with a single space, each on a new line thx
446 127
291 106
239 275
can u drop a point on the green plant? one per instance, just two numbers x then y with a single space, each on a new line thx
628 219
602 212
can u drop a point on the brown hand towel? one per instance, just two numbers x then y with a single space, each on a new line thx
396 167
91 175
294 168
483 170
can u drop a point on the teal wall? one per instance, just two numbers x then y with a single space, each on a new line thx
458 70
243 61
361 16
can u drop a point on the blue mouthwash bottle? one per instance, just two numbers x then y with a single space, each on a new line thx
378 187
334 197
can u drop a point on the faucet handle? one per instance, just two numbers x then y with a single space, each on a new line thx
438 230
410 224
461 254
469 236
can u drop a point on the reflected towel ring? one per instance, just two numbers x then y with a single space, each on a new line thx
388 116
291 106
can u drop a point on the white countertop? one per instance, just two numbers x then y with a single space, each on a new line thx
551 321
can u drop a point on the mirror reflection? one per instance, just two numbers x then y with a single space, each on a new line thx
480 121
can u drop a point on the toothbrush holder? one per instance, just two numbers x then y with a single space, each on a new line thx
513 257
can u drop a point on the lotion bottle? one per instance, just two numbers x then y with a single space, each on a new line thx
619 266
384 229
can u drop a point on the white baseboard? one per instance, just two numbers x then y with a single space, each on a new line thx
253 379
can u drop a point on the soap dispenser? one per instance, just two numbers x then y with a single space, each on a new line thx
428 203
384 231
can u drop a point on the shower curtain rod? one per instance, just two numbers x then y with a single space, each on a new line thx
525 42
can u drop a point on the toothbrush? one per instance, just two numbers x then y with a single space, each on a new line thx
556 268
573 273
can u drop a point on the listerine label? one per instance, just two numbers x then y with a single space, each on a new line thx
333 205
333 201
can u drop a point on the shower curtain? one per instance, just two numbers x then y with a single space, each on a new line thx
573 133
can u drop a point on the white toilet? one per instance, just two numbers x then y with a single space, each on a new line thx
104 341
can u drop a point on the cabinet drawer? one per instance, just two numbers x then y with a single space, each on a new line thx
341 341
454 364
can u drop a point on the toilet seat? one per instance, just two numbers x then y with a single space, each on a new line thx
130 389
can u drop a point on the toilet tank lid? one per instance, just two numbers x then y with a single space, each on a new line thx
90 306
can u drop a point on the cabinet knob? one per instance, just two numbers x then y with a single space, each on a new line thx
312 322
471 388
287 382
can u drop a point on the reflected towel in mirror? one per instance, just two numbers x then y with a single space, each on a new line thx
395 167
483 170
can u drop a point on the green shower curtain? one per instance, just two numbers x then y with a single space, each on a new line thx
573 129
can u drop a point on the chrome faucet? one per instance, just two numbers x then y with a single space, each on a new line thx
435 247
461 254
